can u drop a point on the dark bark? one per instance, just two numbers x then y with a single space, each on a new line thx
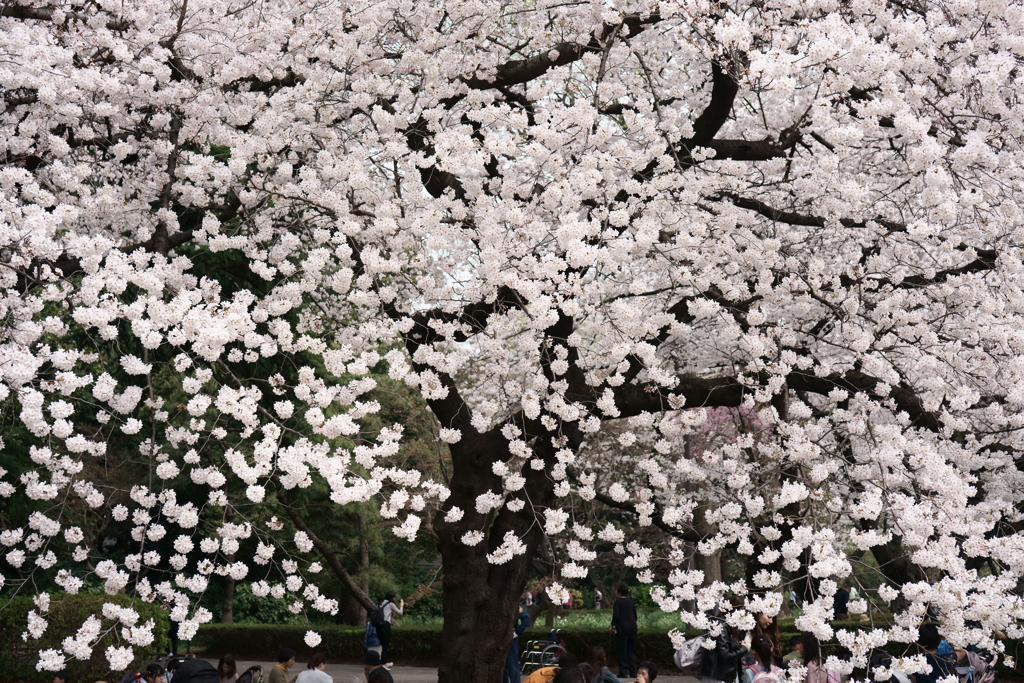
227 605
480 600
364 566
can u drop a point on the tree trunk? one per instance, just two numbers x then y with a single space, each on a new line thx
364 566
481 600
711 565
227 605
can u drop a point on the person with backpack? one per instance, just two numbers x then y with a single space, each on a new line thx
721 664
382 619
763 669
814 660
314 672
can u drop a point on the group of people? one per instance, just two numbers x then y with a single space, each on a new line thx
594 670
623 625
757 656
315 671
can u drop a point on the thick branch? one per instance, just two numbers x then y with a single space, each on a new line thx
519 71
793 218
474 315
749 150
329 555
723 92
728 392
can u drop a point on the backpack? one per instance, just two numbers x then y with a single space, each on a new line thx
254 674
829 677
689 655
370 638
770 676
377 617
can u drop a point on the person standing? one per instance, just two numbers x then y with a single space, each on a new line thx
598 599
172 631
624 628
279 672
840 604
389 608
512 673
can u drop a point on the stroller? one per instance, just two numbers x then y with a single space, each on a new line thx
538 654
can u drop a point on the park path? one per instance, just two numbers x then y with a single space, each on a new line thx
353 673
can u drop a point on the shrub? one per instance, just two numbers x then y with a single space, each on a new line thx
420 645
66 615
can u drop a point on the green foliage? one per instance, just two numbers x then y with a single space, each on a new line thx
252 609
642 595
66 615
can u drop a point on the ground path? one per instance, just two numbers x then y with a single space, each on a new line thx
353 673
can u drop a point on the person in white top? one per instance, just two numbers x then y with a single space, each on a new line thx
390 609
314 672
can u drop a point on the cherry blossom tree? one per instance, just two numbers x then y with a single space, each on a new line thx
542 215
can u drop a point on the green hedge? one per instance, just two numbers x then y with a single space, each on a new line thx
412 645
421 645
18 657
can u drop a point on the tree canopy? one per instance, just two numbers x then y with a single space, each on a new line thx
219 219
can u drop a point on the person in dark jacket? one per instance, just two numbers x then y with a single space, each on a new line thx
722 663
512 673
624 628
